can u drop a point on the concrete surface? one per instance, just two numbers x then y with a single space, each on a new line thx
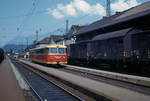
121 94
9 88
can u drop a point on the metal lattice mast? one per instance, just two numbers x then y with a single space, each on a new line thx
108 9
67 23
36 35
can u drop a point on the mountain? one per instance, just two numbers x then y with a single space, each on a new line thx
31 38
14 47
20 42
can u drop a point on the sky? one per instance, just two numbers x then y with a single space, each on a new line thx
25 17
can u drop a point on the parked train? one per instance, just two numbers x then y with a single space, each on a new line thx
50 54
2 55
127 49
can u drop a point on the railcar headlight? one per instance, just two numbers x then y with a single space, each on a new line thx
63 60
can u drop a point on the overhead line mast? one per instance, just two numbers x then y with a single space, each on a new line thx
67 24
108 8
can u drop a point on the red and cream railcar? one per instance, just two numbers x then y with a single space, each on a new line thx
50 54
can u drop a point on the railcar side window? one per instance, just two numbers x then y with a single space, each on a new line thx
61 50
46 51
53 50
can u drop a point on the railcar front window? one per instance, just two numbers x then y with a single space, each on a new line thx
53 50
61 50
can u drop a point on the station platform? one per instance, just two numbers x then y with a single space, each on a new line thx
9 88
106 90
145 81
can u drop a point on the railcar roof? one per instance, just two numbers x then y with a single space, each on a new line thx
50 46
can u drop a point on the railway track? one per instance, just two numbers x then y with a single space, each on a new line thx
45 89
120 83
133 89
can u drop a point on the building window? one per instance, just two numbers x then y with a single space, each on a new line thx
136 52
120 41
148 53
105 54
127 53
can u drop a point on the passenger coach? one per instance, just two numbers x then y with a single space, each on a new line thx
50 54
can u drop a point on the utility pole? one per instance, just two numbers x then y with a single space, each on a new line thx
67 23
27 44
36 35
108 9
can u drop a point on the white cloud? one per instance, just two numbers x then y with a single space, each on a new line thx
55 13
68 9
121 5
98 9
82 6
75 8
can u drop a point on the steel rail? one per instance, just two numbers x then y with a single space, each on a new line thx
64 89
36 93
60 87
